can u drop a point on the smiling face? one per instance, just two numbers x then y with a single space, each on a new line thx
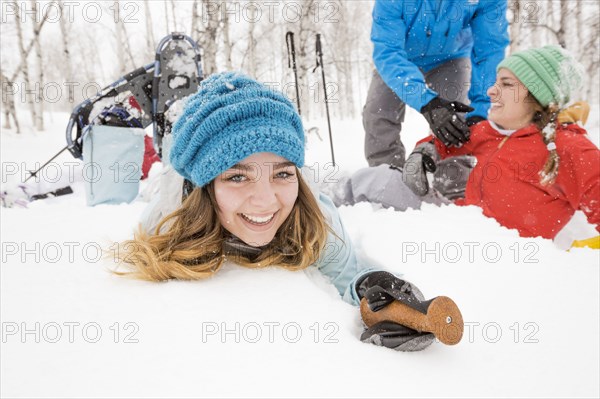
256 196
512 108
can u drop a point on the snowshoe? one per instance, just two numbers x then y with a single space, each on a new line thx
155 87
137 84
177 74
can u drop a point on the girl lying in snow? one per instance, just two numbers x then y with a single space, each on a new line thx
240 145
530 166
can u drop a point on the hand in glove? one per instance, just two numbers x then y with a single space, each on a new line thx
452 175
423 159
388 333
473 120
397 315
446 122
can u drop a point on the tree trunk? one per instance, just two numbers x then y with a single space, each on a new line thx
226 42
563 21
174 17
119 46
346 37
25 67
551 23
8 102
515 27
194 27
166 15
208 39
251 50
150 41
305 31
123 48
68 66
39 120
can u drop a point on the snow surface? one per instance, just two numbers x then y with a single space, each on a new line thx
532 310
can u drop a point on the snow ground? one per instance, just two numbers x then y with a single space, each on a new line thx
72 329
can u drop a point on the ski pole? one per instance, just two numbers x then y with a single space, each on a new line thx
291 48
320 63
32 174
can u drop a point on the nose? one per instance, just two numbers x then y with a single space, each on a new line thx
264 194
493 92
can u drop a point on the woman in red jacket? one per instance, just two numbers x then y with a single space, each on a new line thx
533 165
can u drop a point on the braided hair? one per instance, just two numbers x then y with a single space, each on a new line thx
546 119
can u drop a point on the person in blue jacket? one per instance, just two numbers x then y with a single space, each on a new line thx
240 145
433 55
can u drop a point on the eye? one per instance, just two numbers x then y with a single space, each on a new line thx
284 175
238 178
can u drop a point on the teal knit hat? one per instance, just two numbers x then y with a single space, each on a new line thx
550 74
230 118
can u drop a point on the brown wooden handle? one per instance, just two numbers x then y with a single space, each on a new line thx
443 318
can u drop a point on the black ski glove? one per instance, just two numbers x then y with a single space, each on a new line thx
473 120
445 121
396 336
452 174
381 288
423 159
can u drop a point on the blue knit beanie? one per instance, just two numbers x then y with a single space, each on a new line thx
230 118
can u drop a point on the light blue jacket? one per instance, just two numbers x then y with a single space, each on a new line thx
338 261
409 35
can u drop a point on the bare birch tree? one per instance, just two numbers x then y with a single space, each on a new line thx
195 17
24 66
227 48
150 41
166 14
123 47
39 119
250 37
206 33
563 24
174 16
515 26
68 65
300 19
8 102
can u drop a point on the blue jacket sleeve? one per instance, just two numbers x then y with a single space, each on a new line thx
490 38
388 35
338 262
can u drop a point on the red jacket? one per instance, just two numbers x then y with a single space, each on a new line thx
506 181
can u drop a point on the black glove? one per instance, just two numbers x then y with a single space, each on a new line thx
475 119
396 336
380 289
423 159
452 174
445 122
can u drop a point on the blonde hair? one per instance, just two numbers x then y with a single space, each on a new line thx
545 118
188 243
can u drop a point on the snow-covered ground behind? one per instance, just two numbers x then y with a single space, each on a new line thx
70 328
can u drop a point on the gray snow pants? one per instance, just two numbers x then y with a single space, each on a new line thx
383 112
378 185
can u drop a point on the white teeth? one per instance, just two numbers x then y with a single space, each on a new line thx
256 219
